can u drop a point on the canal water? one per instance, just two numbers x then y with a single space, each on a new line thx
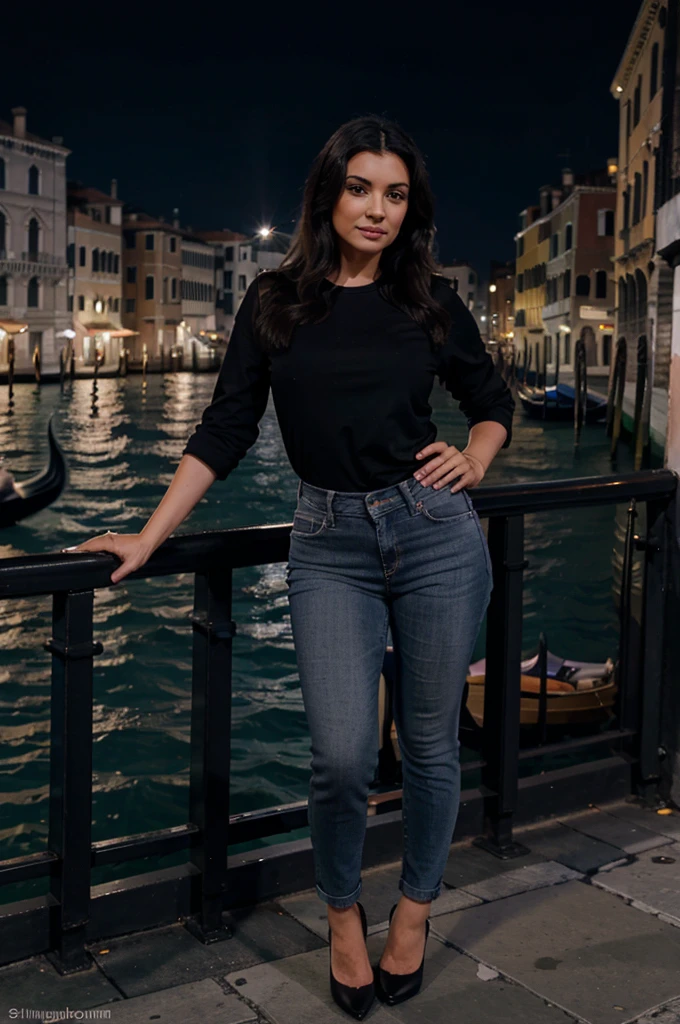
121 459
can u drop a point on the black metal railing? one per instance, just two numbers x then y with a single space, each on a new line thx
73 914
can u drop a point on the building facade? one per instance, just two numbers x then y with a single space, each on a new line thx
95 293
580 288
466 282
33 269
501 305
234 269
532 243
643 278
196 333
238 260
152 300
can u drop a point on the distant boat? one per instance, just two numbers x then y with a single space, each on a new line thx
557 403
24 498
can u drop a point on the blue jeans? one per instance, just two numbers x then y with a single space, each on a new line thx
414 560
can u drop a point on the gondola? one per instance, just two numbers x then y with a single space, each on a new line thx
557 403
576 691
24 498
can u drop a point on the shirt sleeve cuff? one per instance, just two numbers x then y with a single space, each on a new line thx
207 452
496 415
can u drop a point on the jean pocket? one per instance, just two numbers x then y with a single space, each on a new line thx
442 506
308 524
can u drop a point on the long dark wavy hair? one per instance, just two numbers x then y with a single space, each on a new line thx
295 292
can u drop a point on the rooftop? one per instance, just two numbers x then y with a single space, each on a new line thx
17 130
584 927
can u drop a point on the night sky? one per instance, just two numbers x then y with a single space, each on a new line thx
219 110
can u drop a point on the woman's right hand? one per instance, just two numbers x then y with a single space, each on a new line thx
131 548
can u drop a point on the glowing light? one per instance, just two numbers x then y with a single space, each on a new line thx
619 88
565 327
492 287
99 306
264 232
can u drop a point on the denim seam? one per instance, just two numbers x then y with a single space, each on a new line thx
485 547
443 519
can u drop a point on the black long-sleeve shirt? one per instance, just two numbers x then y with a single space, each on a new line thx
352 393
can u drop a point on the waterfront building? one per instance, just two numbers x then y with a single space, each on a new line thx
643 86
563 286
234 269
152 300
580 294
33 270
466 282
196 332
500 305
239 259
95 293
665 415
532 243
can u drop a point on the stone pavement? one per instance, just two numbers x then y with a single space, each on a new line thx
586 927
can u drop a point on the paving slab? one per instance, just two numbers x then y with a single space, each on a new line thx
199 1002
646 817
629 837
649 886
578 851
36 984
165 957
297 991
522 879
577 947
467 863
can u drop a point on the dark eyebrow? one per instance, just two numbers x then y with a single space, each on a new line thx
397 184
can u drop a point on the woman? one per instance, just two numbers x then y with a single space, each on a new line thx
349 334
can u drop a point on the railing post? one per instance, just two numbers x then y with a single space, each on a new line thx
210 751
655 588
500 737
70 811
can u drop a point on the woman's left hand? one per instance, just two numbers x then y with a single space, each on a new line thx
449 464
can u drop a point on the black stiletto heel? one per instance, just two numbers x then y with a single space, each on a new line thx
355 1000
395 988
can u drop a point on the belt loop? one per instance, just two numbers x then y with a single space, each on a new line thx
329 508
299 490
408 497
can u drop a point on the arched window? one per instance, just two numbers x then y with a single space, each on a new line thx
33 238
33 180
33 299
95 261
568 237
3 234
2 173
601 284
583 284
148 292
109 262
3 291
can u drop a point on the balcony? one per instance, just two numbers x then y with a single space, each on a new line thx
560 308
33 264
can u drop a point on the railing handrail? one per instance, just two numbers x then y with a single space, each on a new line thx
68 916
31 575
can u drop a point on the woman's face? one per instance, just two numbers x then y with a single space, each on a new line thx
372 205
